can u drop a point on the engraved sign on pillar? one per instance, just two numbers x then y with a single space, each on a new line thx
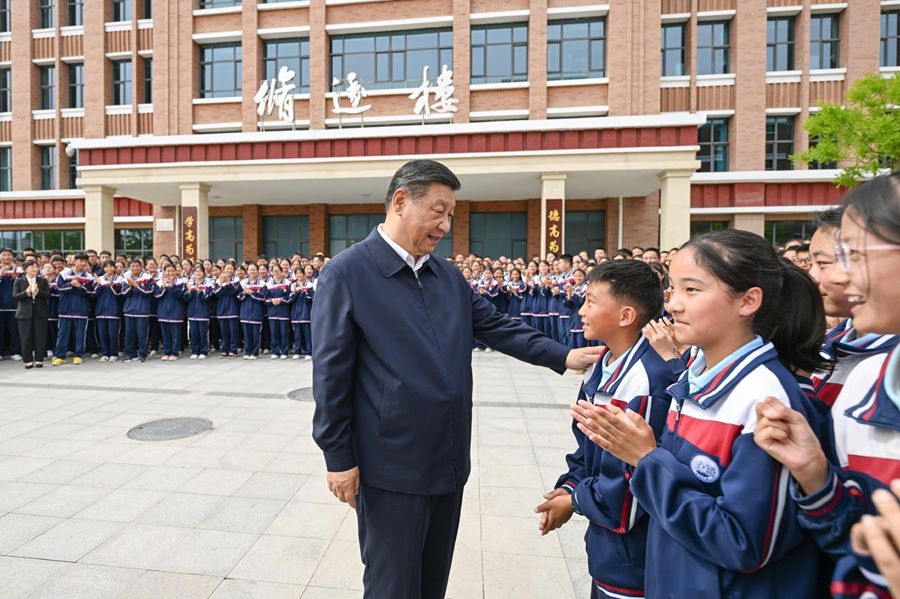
553 225
189 231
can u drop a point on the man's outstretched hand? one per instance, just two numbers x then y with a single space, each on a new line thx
581 359
344 485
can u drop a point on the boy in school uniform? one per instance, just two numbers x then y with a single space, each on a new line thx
76 287
622 296
197 295
138 293
9 332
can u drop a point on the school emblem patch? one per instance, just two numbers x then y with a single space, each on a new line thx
705 468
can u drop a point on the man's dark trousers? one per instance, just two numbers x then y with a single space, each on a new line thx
406 542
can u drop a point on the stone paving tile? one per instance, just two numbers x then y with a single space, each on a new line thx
288 560
156 585
18 529
84 580
68 541
254 589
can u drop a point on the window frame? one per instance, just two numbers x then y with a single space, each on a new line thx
559 71
6 89
148 80
272 240
75 85
210 4
346 240
302 70
708 148
513 76
46 14
5 16
772 45
75 13
513 241
73 170
714 49
6 168
236 243
817 44
122 88
47 85
146 242
122 10
209 89
49 162
664 50
590 243
886 59
775 144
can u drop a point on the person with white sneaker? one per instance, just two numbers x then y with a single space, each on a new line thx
170 312
108 311
278 310
9 334
197 295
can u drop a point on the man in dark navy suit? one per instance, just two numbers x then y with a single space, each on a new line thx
392 330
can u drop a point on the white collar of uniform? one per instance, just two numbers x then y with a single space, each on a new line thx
406 256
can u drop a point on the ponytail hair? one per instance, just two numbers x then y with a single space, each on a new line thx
791 316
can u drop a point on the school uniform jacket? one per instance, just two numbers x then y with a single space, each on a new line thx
107 303
227 305
573 306
196 296
722 524
75 302
7 301
599 482
138 299
864 455
301 308
562 280
170 302
280 290
252 296
515 294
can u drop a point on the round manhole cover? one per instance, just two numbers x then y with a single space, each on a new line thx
169 428
301 394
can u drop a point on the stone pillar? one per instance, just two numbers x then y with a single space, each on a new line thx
196 195
674 208
98 217
553 187
253 241
755 223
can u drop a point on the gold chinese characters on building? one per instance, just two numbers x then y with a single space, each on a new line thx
554 226
189 232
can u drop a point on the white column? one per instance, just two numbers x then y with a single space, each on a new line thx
196 195
99 206
553 187
674 208
754 222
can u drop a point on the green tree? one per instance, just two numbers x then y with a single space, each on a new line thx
864 136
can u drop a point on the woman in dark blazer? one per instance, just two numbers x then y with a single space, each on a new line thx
32 292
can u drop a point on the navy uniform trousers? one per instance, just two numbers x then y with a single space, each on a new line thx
413 561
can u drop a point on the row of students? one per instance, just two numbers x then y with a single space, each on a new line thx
729 471
138 297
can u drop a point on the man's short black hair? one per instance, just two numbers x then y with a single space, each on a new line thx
632 282
566 257
417 177
81 256
652 249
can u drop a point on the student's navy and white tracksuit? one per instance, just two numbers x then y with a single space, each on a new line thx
864 455
599 482
279 316
252 296
301 309
228 313
74 309
9 330
170 312
722 523
108 313
573 305
515 294
562 323
197 298
136 309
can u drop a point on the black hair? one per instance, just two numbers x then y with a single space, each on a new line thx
625 252
417 177
108 263
566 257
877 204
7 250
803 248
632 282
81 256
652 249
830 219
791 316
135 261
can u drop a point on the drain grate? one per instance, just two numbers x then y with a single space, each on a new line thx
301 394
168 429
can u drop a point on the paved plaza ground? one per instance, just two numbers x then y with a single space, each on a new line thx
243 510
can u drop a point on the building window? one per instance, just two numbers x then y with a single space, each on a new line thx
585 230
46 10
576 49
148 81
346 229
813 142
779 143
134 242
5 90
713 141
498 234
672 50
285 235
220 70
148 9
219 3
500 53
6 168
73 170
780 44
48 167
392 60
122 78
76 86
699 227
75 13
67 241
890 39
226 237
713 45
4 16
48 88
825 42
779 232
121 10
290 53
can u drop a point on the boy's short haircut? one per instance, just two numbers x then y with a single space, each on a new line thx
135 261
632 282
566 257
81 256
